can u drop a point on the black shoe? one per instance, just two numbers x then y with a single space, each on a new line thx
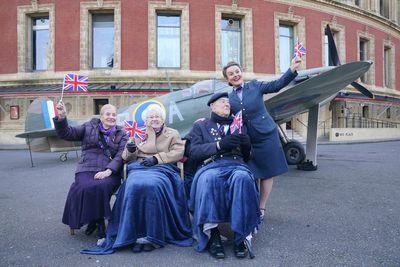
240 250
91 227
101 229
148 247
137 248
215 246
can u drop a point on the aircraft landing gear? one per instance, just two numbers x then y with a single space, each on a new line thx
294 150
64 157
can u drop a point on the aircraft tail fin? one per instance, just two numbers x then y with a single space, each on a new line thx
40 114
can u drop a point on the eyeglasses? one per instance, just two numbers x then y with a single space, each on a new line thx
154 117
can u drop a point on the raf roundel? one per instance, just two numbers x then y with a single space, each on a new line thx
137 113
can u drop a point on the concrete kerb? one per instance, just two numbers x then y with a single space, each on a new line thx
357 141
14 147
320 142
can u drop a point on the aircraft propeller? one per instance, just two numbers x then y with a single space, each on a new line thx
334 60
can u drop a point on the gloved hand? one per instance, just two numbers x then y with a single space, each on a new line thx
245 140
131 147
246 152
245 146
229 142
149 161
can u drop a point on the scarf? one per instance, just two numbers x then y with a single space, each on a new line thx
221 120
159 130
106 132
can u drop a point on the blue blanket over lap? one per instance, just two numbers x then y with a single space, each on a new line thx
151 203
224 191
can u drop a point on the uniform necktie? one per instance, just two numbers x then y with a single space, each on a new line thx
221 130
239 92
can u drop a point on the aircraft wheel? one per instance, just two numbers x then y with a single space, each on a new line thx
294 152
63 157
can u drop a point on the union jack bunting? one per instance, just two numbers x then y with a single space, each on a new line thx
75 83
299 50
132 129
237 123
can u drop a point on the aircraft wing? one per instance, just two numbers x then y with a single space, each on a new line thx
311 87
47 140
39 129
37 133
315 90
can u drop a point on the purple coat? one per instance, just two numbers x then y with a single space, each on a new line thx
93 157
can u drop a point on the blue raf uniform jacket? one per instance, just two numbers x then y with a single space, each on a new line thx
255 115
204 138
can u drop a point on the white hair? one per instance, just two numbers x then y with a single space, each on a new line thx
153 107
107 106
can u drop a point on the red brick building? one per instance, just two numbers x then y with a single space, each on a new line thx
134 49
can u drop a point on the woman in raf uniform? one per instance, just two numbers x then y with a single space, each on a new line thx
268 159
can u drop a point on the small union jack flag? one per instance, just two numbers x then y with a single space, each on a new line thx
132 129
237 123
299 50
75 83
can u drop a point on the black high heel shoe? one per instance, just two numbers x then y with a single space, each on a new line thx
101 229
91 227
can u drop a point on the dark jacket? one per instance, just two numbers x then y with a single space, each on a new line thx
204 137
93 157
255 115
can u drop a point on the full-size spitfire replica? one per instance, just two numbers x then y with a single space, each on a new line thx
311 89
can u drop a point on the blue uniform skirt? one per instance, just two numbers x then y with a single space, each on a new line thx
268 159
151 203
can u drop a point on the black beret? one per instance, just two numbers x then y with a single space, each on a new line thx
216 96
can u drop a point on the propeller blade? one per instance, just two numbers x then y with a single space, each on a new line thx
362 89
333 54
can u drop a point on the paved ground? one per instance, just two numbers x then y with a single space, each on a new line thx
345 214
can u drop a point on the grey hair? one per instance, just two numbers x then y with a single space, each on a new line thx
106 106
153 107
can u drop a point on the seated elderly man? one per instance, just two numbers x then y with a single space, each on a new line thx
151 208
223 189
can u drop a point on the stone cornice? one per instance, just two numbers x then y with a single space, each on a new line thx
121 76
346 11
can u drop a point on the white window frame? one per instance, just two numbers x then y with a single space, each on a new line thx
92 42
339 38
298 23
292 46
86 10
180 39
240 61
391 64
24 35
370 75
154 8
246 17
